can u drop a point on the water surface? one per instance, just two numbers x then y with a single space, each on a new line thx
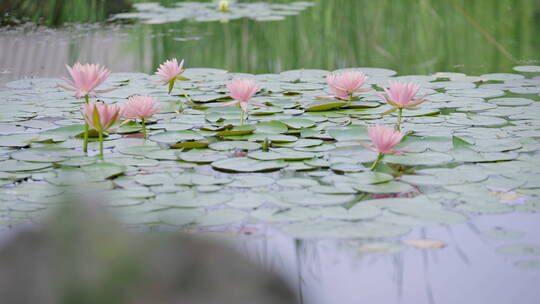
411 37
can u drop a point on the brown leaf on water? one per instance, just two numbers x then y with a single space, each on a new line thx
425 244
507 197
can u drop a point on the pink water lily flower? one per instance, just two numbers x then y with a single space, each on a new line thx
242 90
140 107
343 85
170 70
100 116
85 78
384 139
401 94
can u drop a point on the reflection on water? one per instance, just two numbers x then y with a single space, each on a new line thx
412 37
468 270
45 52
59 12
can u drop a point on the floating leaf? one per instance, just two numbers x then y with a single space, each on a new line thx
242 164
238 130
272 127
285 155
191 199
520 249
388 187
200 156
343 230
324 105
221 217
425 244
419 159
381 248
499 233
12 165
172 137
100 171
234 145
285 215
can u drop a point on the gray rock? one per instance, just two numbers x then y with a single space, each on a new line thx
82 256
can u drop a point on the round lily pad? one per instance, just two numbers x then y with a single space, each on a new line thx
343 230
285 214
520 249
318 106
243 164
222 217
12 165
233 145
419 159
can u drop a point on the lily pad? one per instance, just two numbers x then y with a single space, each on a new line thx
243 164
238 130
318 106
12 165
419 159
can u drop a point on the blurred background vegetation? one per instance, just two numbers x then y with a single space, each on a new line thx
412 37
59 12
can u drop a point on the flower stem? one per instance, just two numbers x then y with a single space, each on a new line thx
400 115
101 145
85 145
376 162
185 94
171 85
143 128
241 117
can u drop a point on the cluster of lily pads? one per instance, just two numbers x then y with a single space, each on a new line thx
151 12
296 165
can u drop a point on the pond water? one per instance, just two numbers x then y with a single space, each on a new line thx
453 220
418 37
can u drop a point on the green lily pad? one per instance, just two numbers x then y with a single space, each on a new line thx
234 145
186 199
238 130
285 215
318 106
271 127
419 159
243 164
172 137
222 217
520 249
342 230
251 181
190 145
101 171
308 198
181 216
388 187
503 234
298 123
533 264
200 156
284 155
357 212
12 165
